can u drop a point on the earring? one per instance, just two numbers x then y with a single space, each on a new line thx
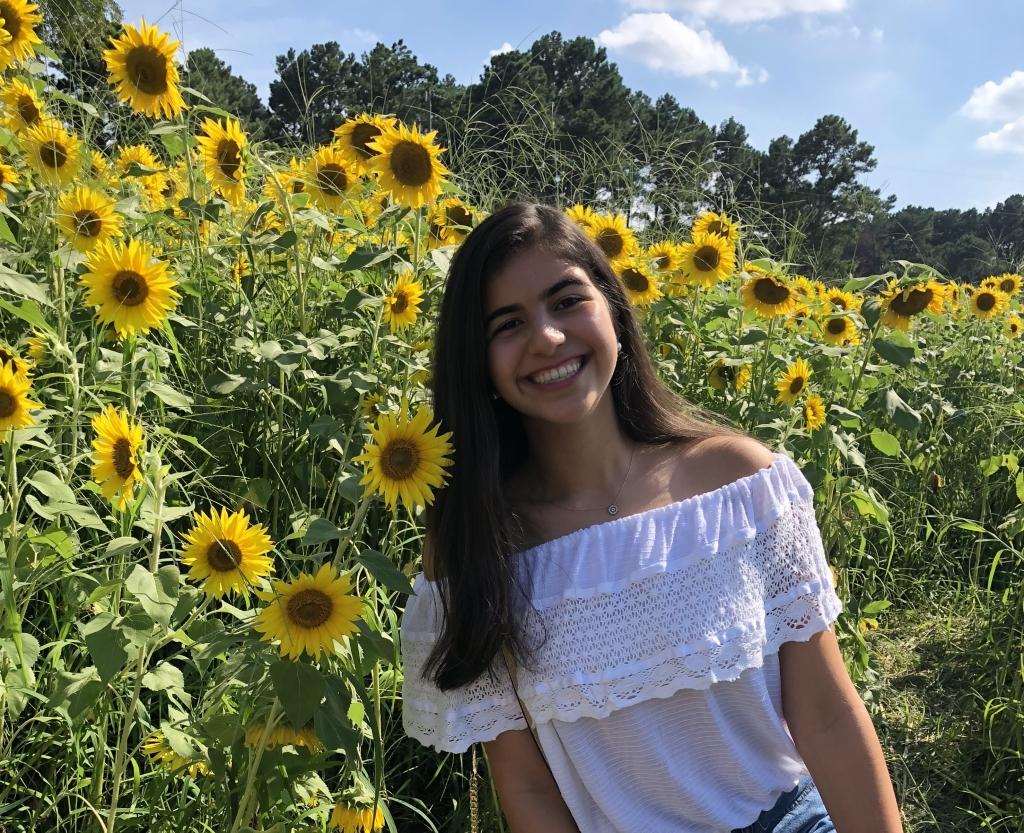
495 395
620 347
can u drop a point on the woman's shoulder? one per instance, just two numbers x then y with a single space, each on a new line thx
716 461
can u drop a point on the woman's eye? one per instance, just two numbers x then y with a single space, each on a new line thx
575 298
505 325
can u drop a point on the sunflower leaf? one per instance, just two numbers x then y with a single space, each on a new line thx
153 596
299 687
320 531
23 286
886 443
106 645
331 722
383 570
898 354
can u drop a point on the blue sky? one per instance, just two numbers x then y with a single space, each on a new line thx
937 86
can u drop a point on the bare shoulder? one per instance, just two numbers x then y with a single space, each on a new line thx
717 461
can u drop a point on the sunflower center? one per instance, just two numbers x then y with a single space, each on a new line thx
410 164
53 154
797 384
3 179
707 258
332 178
309 608
6 357
1013 327
611 242
635 281
361 135
298 186
1007 285
130 288
986 300
840 302
400 302
88 223
224 555
836 326
27 110
12 20
8 404
124 465
661 263
147 70
170 188
229 157
768 291
399 459
458 216
719 228
727 372
912 302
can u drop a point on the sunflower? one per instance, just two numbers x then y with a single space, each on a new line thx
1013 325
8 179
221 146
356 819
402 305
613 237
226 553
161 754
9 357
722 375
845 301
806 290
372 406
115 455
1009 283
840 330
52 152
707 259
718 224
18 21
793 382
284 735
901 304
405 459
330 180
768 295
37 347
582 215
309 613
282 183
86 217
814 411
352 139
142 71
988 303
140 155
130 287
22 106
639 282
14 402
666 257
457 219
407 165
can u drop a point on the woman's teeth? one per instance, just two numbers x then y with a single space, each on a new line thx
556 373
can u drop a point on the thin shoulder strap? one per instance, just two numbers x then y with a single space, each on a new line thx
510 665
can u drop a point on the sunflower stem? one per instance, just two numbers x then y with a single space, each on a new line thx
255 757
13 618
864 361
121 755
350 533
764 361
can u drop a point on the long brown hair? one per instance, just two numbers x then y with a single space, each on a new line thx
471 529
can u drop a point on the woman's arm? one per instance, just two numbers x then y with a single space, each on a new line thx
834 735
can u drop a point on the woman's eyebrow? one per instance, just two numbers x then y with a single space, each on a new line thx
554 289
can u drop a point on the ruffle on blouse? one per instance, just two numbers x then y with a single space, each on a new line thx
639 607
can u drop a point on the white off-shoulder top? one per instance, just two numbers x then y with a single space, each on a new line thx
657 698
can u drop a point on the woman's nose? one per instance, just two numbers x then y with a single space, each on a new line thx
547 336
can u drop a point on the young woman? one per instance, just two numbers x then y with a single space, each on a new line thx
656 576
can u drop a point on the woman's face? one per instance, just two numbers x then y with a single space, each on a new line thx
551 341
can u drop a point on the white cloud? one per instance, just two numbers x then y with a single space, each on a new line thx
1003 101
661 42
740 11
501 50
878 35
1007 139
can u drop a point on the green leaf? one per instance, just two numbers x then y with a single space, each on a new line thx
886 443
1019 486
363 257
299 688
174 144
77 692
319 531
384 570
753 336
331 722
152 595
5 231
168 395
222 382
286 240
81 515
165 677
106 645
52 487
898 354
24 286
27 311
874 608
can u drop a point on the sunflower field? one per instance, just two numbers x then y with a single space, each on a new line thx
217 446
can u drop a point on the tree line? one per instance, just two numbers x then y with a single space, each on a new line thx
556 123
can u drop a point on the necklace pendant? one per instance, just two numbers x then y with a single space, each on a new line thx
613 510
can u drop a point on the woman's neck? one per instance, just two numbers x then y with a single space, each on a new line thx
579 464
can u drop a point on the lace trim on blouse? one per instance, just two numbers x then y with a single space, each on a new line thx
682 596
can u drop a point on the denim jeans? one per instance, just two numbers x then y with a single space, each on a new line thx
798 811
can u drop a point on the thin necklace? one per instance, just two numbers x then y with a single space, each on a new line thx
613 507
